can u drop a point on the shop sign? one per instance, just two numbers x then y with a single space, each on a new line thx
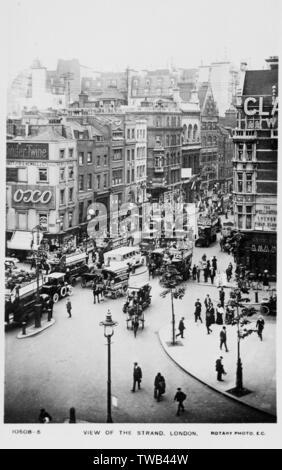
263 248
21 151
36 197
266 218
258 108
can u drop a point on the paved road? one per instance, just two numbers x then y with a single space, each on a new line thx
65 366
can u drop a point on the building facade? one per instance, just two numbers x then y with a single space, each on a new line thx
255 169
41 185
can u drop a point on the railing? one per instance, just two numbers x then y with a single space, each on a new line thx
244 134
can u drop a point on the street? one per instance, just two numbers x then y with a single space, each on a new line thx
66 365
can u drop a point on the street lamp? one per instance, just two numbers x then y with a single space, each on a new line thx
170 281
36 242
109 325
59 222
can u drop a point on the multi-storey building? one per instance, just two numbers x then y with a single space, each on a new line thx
255 169
209 137
41 186
225 157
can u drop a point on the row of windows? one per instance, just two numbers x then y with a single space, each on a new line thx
244 183
135 82
89 159
62 153
101 181
130 152
245 152
209 140
141 152
63 193
130 173
244 217
172 159
168 140
117 177
190 132
171 121
209 125
141 171
141 133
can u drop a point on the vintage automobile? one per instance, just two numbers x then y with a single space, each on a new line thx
73 265
56 287
115 281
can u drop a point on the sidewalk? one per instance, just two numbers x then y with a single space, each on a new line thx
31 330
198 351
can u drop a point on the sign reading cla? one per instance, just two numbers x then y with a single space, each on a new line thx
257 109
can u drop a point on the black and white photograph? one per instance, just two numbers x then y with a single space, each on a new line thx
139 217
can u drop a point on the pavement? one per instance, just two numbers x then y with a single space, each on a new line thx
198 351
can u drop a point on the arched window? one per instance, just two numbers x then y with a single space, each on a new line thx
209 140
185 132
203 141
167 121
190 130
195 130
214 140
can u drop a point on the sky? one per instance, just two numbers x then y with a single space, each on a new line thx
143 34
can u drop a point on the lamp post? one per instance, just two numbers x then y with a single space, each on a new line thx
170 281
109 325
36 242
59 222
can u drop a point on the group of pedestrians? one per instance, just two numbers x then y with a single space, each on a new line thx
209 268
159 387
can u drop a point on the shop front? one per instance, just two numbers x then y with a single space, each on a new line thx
258 252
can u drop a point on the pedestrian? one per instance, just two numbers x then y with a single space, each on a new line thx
219 314
137 376
221 296
208 322
221 243
228 274
260 326
211 313
214 263
198 309
135 324
180 397
207 301
198 273
96 292
212 274
219 369
194 272
159 385
181 328
44 417
223 338
69 306
206 274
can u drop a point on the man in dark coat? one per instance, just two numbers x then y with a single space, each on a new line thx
260 326
219 369
137 376
180 397
181 328
198 309
159 385
198 273
223 338
221 296
194 272
214 263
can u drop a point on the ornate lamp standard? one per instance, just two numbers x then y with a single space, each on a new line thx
38 260
170 280
109 325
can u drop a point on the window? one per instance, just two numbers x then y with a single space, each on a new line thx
62 153
117 155
81 158
62 196
43 174
249 155
70 218
128 176
132 154
240 151
132 133
239 182
105 180
132 174
70 194
117 177
167 140
70 153
128 133
98 181
70 172
80 183
128 155
98 160
158 122
240 216
89 181
62 174
105 160
89 157
249 182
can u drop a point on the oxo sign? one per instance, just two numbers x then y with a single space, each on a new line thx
33 197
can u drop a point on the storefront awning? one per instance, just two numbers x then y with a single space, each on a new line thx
20 241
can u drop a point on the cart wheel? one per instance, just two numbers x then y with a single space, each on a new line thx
55 298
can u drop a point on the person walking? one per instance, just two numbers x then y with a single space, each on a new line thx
223 338
180 397
214 263
198 273
207 301
260 326
219 369
69 306
194 272
159 386
96 293
135 324
219 314
198 309
137 376
206 273
181 328
208 322
212 274
44 417
221 296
